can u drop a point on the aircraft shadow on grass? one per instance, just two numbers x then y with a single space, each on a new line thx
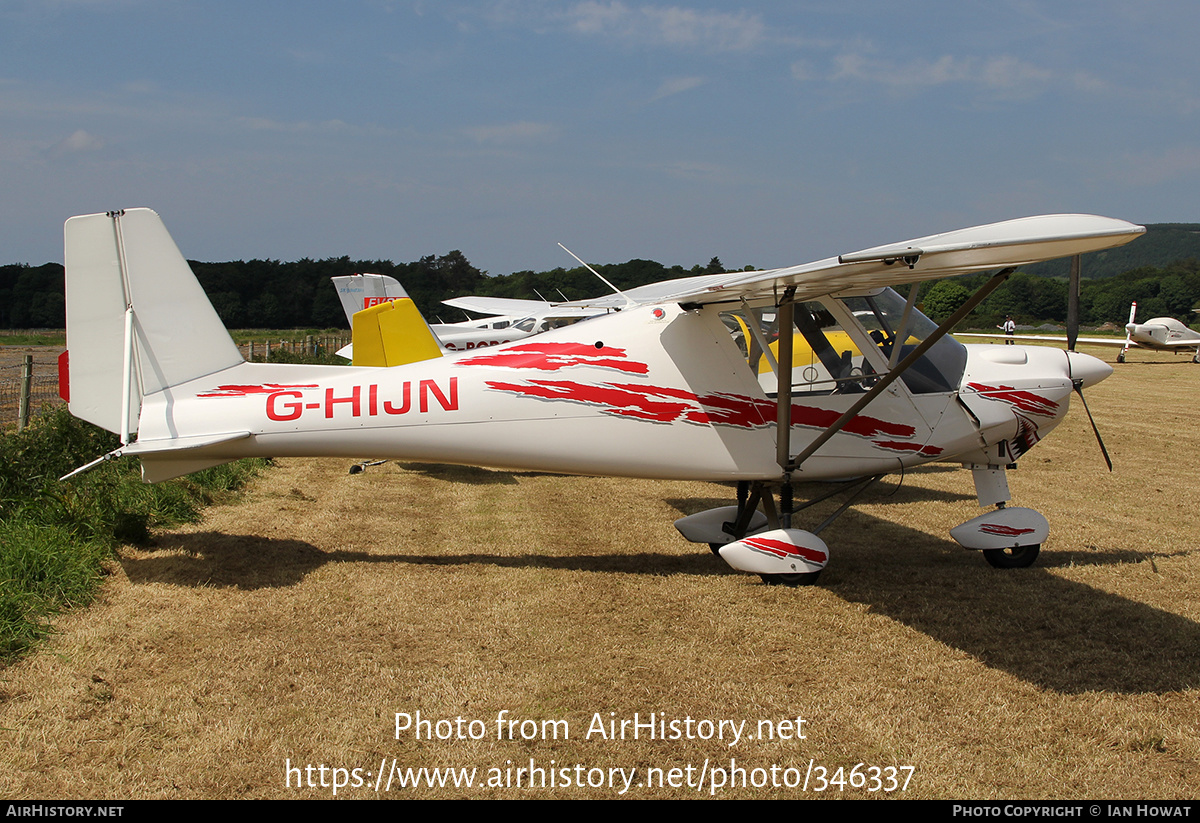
1052 632
473 475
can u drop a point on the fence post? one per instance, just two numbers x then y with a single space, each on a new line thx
26 390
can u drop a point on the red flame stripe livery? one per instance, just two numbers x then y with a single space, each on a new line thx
660 404
778 548
265 388
555 356
1004 531
1026 401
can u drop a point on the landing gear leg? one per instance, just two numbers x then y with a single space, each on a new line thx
786 506
1009 537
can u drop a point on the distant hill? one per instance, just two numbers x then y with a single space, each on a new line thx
1162 243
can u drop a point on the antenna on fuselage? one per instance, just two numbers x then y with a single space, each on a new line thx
598 274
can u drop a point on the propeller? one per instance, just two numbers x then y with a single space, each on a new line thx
1073 307
1078 384
1072 336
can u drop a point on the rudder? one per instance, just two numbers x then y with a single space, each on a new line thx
134 308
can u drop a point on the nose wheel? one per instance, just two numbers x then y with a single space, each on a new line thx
791 580
1019 557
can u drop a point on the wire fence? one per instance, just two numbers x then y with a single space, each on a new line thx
26 387
29 382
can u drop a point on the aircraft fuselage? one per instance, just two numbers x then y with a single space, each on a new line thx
655 392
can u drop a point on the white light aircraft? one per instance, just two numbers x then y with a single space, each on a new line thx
1159 334
512 319
660 389
362 291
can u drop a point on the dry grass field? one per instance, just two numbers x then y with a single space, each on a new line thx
292 628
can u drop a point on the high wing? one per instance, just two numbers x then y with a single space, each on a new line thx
515 307
495 305
980 248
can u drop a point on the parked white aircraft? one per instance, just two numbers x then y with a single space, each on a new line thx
1159 334
660 389
362 291
512 319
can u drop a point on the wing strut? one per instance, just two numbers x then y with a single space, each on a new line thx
785 319
783 442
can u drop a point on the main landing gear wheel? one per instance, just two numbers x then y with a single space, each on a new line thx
1121 357
791 580
716 548
1020 557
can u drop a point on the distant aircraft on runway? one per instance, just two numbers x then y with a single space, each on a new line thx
1159 334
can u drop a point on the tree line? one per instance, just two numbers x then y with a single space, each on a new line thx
290 295
1169 291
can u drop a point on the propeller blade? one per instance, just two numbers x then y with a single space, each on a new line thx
1073 303
1096 431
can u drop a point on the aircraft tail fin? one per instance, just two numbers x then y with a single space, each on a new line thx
138 321
392 334
361 291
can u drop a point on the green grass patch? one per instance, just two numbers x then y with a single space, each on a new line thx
44 338
54 535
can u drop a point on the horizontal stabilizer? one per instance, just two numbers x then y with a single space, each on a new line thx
164 446
174 457
181 443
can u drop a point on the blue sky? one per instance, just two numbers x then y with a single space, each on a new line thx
769 133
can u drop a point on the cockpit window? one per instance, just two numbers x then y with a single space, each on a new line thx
827 360
939 370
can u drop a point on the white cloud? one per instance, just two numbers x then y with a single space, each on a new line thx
1005 74
79 141
507 133
667 25
802 71
1009 73
297 126
676 85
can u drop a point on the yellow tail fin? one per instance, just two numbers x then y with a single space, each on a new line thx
392 334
